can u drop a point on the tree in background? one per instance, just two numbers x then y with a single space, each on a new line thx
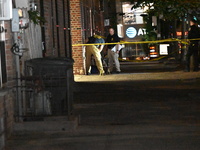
172 11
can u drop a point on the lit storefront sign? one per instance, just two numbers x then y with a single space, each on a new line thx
134 32
131 32
164 49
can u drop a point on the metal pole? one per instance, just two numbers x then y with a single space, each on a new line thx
183 46
18 80
90 22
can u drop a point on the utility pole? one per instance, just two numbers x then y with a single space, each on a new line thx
183 37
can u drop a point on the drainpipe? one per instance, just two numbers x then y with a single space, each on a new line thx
43 28
90 22
64 22
69 53
53 26
57 27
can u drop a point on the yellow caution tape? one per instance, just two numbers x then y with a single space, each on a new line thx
183 41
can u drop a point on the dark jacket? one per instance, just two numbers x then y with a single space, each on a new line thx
112 39
194 33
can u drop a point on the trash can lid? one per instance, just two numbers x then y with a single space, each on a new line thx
52 61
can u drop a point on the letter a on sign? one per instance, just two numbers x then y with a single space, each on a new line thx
140 32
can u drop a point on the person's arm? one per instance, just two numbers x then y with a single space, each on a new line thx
117 39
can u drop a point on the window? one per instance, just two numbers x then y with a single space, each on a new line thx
3 74
5 9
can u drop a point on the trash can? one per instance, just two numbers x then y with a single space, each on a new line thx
53 75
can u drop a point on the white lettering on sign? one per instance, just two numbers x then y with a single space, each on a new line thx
141 31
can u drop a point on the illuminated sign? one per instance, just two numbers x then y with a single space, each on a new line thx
131 32
164 49
134 32
180 33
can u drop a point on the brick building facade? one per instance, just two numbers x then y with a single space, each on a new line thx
70 22
77 36
56 30
86 18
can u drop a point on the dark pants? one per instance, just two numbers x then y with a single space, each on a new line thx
192 50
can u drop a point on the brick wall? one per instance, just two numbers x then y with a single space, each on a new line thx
55 28
10 58
7 91
49 27
76 34
56 42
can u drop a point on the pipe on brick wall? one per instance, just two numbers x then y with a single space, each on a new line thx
91 32
53 25
69 52
57 28
42 27
65 34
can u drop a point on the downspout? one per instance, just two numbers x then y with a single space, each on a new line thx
91 22
69 52
52 24
43 28
65 34
57 27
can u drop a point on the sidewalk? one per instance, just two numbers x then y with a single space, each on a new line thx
177 75
128 111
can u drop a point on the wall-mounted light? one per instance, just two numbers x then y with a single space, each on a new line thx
33 6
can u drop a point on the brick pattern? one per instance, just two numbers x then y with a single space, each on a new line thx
10 60
6 93
76 35
51 26
51 46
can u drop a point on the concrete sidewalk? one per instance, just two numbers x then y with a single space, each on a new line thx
177 75
133 111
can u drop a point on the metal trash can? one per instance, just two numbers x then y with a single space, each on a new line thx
54 75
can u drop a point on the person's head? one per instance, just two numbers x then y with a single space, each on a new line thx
111 31
91 40
193 22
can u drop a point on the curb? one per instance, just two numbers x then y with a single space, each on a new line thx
49 124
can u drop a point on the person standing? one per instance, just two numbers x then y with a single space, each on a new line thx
193 33
113 51
94 50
